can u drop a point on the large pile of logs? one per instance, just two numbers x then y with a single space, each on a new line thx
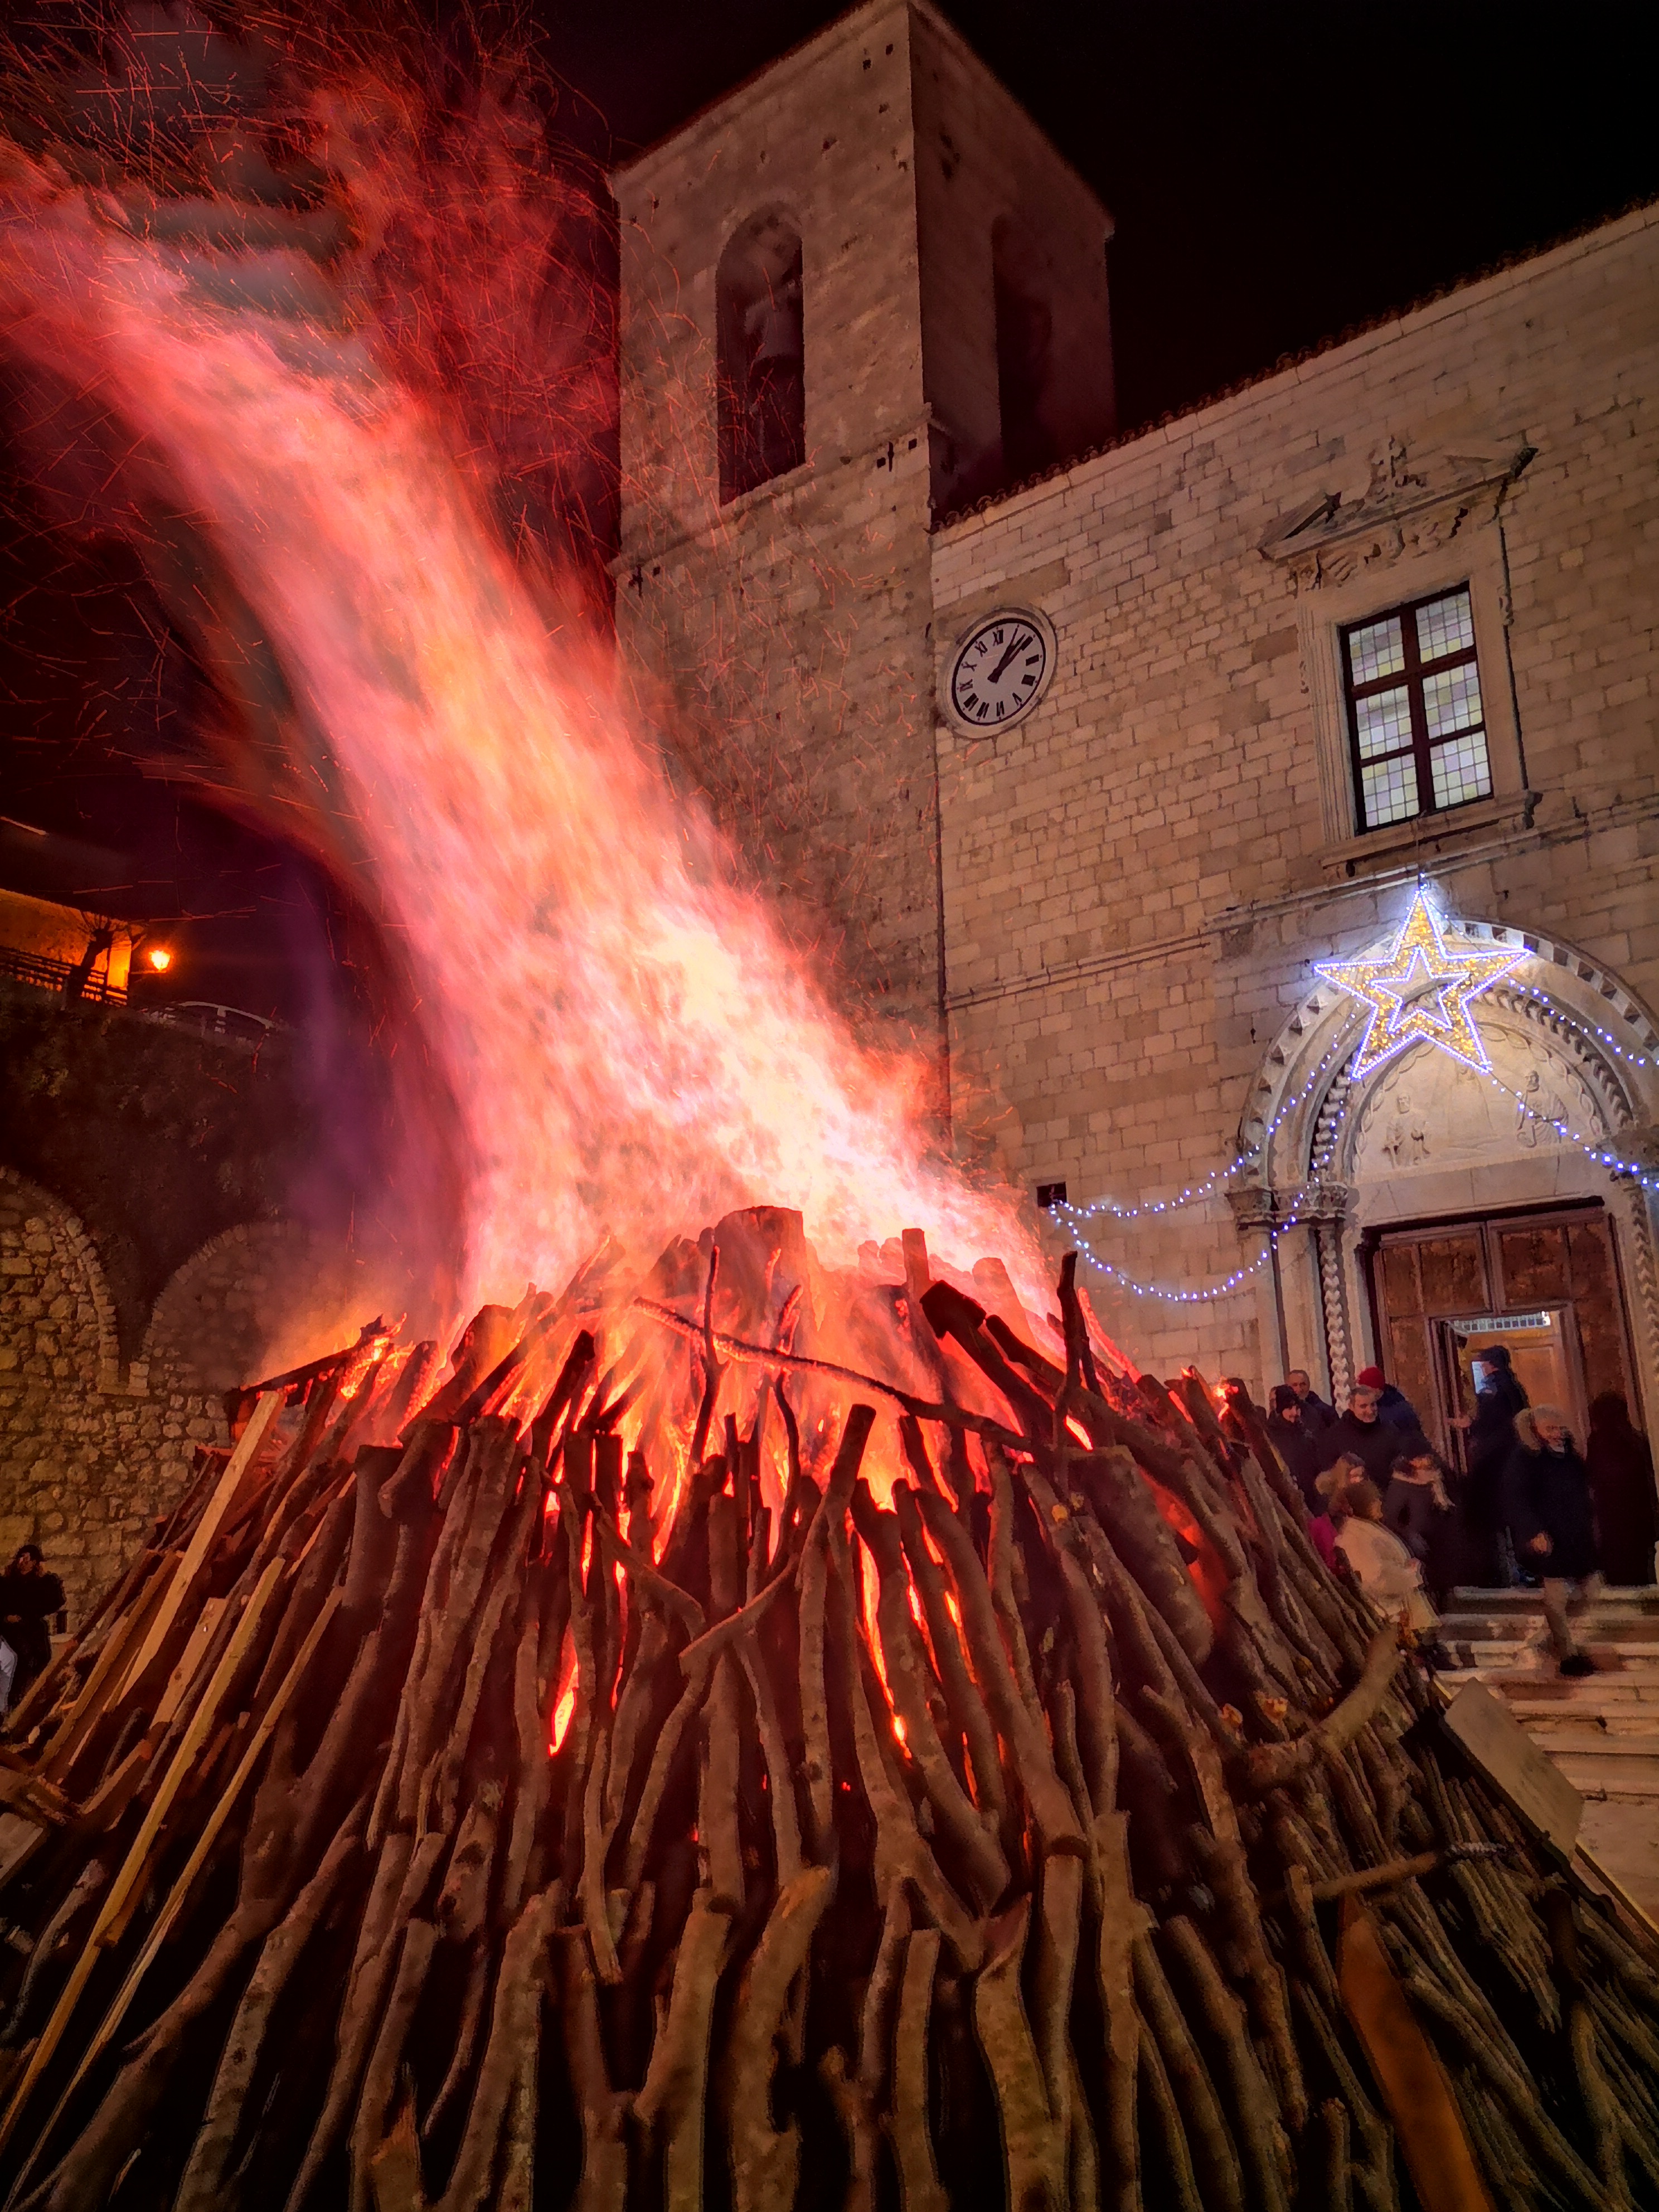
666 1765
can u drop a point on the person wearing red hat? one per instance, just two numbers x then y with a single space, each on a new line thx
1393 1405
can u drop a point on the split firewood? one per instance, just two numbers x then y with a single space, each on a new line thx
683 1760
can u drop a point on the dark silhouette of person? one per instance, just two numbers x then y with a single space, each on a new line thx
1620 1460
1489 1440
29 1595
1418 1507
1546 1504
1297 1441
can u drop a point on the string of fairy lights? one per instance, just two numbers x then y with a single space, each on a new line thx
1600 1150
1195 1193
1229 1285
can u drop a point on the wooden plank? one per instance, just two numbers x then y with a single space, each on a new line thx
162 1924
1490 1736
95 1699
184 1672
201 1542
1438 2154
138 1859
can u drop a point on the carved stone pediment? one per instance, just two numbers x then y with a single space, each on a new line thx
1405 508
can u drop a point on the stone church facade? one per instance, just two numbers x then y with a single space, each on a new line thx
1381 619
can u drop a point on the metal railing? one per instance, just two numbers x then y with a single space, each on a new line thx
47 975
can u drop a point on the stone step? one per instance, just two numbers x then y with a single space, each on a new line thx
1541 1667
1472 1597
1637 1643
1593 1741
1612 1786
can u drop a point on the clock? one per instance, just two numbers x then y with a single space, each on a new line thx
1000 669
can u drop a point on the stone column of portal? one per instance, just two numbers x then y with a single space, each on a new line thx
1256 1213
1636 1227
1326 1208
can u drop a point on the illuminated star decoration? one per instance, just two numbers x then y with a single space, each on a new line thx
1419 990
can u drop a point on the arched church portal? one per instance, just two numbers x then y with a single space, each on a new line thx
1431 1208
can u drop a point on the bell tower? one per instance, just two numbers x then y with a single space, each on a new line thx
858 291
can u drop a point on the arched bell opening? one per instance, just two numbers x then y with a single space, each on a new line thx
761 380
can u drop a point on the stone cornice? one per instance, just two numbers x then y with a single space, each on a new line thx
1401 512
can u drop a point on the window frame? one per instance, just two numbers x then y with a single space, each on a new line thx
1412 676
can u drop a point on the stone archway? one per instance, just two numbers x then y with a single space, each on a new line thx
91 1452
1426 1137
78 1468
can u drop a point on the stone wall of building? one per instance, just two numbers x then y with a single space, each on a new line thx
1137 877
86 1462
781 643
144 1263
92 1449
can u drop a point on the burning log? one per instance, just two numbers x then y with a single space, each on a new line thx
668 1764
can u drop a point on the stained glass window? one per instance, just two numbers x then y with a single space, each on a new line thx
1415 715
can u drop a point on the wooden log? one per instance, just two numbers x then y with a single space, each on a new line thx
1033 2146
670 2106
765 2160
202 2185
908 2127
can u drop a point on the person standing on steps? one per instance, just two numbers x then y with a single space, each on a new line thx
1382 1565
1546 1500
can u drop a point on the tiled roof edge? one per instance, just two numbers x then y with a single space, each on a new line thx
1290 361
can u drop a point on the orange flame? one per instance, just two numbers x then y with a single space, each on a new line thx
629 1042
565 1703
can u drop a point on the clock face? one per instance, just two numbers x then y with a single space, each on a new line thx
1000 669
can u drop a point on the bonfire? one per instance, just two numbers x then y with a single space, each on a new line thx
668 1762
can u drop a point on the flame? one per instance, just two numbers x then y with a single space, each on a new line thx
565 1703
627 1041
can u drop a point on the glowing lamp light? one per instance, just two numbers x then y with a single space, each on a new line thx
1419 991
160 957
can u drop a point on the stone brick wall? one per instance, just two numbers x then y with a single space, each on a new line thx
83 1465
1138 878
90 1452
780 644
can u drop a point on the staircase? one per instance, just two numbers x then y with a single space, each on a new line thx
1603 1731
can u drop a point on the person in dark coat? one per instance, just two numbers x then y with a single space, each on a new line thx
29 1595
1296 1444
1372 1441
1393 1405
1315 1413
1620 1461
1546 1505
1489 1439
1417 1506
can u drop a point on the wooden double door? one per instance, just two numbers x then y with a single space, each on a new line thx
1545 1284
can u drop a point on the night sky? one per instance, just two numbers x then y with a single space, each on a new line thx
1276 174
